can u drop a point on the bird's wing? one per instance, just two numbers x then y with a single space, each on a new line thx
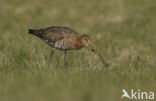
55 33
53 36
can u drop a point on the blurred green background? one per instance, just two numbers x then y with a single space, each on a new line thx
123 32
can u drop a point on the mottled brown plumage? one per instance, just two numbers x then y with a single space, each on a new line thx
64 38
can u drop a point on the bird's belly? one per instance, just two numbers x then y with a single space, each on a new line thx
60 45
63 45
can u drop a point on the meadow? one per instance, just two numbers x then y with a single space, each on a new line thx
122 31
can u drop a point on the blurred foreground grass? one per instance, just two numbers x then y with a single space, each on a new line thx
123 31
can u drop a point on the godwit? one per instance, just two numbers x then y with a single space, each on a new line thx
64 38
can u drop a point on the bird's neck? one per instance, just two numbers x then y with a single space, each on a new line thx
78 44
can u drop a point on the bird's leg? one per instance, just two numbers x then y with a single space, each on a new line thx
65 58
52 53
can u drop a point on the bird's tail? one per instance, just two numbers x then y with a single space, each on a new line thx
31 31
34 32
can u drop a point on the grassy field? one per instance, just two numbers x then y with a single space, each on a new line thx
122 31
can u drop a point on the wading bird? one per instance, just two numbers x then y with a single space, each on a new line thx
64 38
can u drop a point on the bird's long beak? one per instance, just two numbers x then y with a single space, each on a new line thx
93 50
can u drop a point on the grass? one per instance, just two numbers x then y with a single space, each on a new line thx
123 32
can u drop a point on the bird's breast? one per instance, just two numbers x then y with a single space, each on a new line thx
67 44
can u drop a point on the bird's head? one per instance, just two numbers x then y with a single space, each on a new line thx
86 41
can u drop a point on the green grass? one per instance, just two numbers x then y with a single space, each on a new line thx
123 32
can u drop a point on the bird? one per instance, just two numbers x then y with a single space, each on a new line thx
64 38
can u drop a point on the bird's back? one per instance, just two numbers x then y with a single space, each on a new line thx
61 36
58 29
53 33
